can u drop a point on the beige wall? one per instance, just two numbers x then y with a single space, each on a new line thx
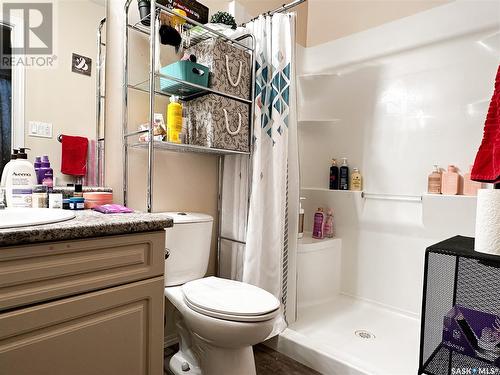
255 7
57 95
332 19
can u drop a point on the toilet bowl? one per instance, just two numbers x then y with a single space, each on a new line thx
218 320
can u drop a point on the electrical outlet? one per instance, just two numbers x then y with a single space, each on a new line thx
40 129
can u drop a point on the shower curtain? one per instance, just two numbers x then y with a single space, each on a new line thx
273 207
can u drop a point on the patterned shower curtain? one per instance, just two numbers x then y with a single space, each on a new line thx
273 212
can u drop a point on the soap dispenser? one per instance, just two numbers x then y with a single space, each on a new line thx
20 181
450 181
434 181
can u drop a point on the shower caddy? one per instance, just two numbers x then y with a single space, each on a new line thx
460 285
151 86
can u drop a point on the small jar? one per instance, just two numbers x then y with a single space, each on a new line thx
78 191
76 203
65 204
39 197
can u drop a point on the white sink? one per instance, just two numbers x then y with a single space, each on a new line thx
23 217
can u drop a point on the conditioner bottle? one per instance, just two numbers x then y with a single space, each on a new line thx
344 175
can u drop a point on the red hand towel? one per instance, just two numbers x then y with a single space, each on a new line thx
487 164
74 155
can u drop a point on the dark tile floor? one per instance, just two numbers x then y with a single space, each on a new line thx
267 362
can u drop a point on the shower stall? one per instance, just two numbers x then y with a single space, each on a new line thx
394 100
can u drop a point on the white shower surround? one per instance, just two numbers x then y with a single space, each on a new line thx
402 97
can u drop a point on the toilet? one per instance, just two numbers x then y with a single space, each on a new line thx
218 320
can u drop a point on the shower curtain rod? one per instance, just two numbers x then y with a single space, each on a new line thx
282 8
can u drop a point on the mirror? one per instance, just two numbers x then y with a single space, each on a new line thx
49 80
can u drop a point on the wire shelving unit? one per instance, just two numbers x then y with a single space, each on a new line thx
151 87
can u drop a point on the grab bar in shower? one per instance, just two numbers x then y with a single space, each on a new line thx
392 197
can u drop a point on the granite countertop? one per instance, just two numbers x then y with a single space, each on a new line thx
87 223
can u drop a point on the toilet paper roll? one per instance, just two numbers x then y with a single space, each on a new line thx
488 221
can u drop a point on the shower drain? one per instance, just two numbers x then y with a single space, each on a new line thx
364 334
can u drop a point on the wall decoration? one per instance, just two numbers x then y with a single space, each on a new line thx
81 64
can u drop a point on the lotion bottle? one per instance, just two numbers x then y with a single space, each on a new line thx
318 226
434 181
449 185
20 181
471 187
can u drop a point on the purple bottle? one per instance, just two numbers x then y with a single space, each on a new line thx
37 164
318 225
46 173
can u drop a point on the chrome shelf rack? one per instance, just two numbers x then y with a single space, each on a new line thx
151 87
100 104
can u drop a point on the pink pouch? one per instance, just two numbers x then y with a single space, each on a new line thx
113 209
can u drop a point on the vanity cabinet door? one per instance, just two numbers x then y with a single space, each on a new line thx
116 331
40 272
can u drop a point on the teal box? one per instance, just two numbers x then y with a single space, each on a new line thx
187 71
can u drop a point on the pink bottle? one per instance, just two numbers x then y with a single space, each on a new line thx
318 226
450 181
328 227
471 187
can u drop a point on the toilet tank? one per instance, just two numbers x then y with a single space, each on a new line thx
188 245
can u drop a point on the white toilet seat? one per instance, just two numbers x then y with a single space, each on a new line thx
230 300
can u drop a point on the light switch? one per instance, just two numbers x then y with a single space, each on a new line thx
40 129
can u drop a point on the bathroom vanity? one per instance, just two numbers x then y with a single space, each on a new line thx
84 296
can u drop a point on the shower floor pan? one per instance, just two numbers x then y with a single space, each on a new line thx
348 336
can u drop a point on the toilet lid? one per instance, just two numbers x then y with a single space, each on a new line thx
230 300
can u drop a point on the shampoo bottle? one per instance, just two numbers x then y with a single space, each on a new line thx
318 226
20 181
471 187
356 180
434 181
334 176
449 184
328 227
174 120
344 175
